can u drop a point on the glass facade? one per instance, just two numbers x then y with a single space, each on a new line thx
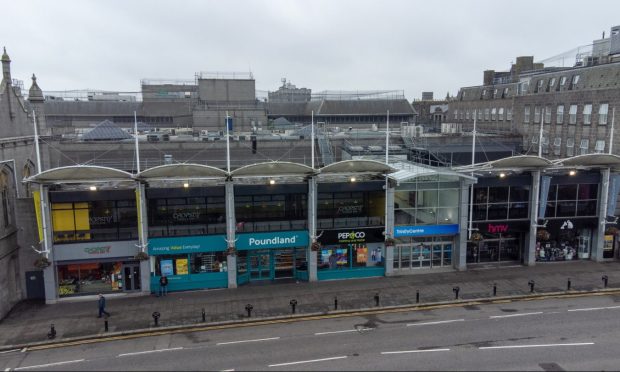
183 216
350 209
501 203
574 200
272 212
425 252
427 201
103 220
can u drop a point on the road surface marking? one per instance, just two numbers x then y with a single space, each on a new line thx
255 340
413 351
612 307
345 331
437 322
307 361
149 351
228 370
7 369
50 364
588 309
8 351
514 315
542 345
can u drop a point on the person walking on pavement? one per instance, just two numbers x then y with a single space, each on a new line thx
163 285
102 306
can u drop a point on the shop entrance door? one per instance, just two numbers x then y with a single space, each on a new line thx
284 263
421 256
131 277
259 265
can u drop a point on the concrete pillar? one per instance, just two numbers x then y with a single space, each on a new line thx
598 237
459 256
529 254
231 260
231 263
389 228
312 256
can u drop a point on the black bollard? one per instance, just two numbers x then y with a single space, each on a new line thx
568 283
249 308
335 303
456 292
52 333
531 284
605 279
494 289
105 325
156 316
417 296
204 315
377 299
293 304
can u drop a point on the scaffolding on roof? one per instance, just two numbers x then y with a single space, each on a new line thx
348 95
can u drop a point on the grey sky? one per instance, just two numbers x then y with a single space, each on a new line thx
323 45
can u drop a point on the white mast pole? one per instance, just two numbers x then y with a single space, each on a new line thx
135 131
471 190
41 189
227 145
611 131
312 138
387 137
540 135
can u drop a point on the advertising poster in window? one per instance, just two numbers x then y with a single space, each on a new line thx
342 258
182 266
166 268
375 255
608 243
362 255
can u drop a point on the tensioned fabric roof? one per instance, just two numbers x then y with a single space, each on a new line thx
409 171
272 168
521 161
591 160
356 166
182 170
80 173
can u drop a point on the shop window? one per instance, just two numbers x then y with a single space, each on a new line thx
89 278
350 256
602 113
169 265
208 262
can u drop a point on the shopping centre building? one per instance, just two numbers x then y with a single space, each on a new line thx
108 230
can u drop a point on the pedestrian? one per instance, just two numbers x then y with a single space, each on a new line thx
163 285
102 306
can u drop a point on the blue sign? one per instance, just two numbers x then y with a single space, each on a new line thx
187 244
402 231
276 239
166 268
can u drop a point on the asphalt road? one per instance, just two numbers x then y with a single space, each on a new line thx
543 335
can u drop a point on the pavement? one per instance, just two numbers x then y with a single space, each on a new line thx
29 322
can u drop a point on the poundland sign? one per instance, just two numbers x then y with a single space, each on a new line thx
278 239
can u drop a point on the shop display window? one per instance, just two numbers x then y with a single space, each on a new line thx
89 278
208 262
338 257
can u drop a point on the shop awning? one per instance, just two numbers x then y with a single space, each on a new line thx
407 171
80 174
520 161
181 171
